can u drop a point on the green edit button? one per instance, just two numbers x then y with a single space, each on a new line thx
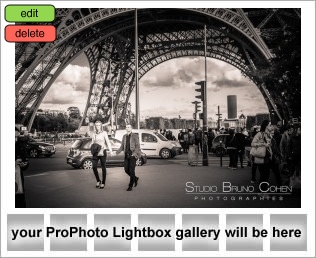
29 13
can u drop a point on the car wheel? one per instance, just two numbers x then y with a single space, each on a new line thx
87 164
139 162
33 153
220 151
165 153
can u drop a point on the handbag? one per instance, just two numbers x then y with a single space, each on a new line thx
259 160
259 152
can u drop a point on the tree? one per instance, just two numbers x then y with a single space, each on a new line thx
283 76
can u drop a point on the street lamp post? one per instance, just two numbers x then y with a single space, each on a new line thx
111 93
219 118
205 151
37 123
136 71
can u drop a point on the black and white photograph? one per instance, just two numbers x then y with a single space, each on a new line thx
161 108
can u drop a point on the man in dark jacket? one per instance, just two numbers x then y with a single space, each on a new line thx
130 146
295 152
241 145
276 159
21 144
231 146
198 139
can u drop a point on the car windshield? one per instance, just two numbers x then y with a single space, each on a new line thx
76 144
160 136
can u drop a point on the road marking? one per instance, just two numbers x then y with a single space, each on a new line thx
41 174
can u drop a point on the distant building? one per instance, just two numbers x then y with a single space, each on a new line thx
177 123
232 106
242 121
257 119
51 112
155 123
231 123
239 122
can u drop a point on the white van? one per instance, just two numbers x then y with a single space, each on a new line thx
153 143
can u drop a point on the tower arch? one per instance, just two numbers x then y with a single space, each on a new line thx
107 38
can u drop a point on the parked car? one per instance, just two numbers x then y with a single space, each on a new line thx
216 144
36 148
154 144
79 155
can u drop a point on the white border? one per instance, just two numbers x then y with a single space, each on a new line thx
308 139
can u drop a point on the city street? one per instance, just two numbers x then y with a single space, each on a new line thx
51 183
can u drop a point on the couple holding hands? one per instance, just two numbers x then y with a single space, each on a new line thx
130 146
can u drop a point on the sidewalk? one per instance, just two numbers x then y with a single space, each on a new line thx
160 186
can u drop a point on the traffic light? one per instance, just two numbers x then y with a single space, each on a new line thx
197 107
196 103
201 89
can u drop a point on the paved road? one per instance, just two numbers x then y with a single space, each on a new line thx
58 161
51 183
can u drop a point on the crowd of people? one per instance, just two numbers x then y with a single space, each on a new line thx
188 137
280 147
281 143
282 153
275 149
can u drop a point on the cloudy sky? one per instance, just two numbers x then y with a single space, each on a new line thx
167 90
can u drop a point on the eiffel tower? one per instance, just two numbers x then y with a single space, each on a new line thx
248 39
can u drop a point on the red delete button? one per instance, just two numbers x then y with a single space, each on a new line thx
30 33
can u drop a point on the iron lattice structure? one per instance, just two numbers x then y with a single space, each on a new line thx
244 38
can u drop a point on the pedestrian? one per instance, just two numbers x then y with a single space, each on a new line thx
231 146
285 144
276 158
130 146
21 164
169 135
210 138
181 139
21 145
193 150
198 139
277 136
295 152
101 140
241 145
185 141
254 166
263 139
